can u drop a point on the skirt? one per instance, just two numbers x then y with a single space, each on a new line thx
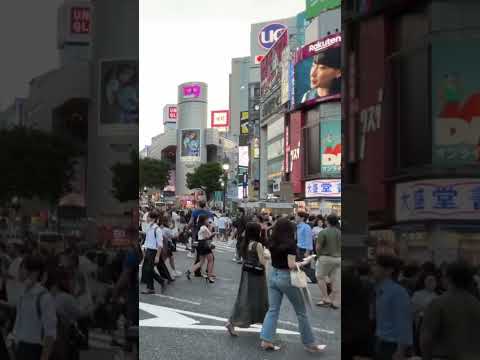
251 304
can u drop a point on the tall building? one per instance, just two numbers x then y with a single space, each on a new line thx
412 131
262 38
113 116
191 134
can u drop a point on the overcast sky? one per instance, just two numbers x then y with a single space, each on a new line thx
180 40
185 40
28 44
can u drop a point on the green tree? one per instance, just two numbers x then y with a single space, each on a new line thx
153 173
206 177
125 179
35 164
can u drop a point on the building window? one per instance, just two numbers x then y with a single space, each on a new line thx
412 69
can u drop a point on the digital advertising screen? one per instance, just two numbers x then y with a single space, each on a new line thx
317 71
119 102
190 142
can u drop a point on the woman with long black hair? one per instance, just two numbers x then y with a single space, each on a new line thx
251 304
283 249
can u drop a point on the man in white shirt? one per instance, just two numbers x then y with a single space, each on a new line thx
222 227
35 327
153 247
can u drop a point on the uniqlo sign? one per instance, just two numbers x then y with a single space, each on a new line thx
80 20
172 113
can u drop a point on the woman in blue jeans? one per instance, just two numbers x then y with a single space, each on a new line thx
283 249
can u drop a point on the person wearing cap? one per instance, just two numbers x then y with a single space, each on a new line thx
325 75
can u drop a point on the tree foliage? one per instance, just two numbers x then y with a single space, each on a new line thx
153 173
35 164
206 177
125 179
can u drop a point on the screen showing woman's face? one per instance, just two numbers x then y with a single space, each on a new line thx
321 76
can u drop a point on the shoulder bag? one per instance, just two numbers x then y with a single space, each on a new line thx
298 278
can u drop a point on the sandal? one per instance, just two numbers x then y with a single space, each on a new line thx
324 304
231 329
315 348
269 346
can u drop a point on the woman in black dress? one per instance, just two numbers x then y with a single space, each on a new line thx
204 249
252 298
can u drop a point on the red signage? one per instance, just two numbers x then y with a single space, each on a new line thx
373 149
220 119
258 59
172 112
295 143
80 20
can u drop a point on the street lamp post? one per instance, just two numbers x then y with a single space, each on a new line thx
225 167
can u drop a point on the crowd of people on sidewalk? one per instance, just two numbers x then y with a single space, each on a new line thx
400 310
279 256
51 301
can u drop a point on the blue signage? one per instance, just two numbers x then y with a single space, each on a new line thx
269 34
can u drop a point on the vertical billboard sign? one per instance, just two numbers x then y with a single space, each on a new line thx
80 20
318 71
243 156
285 77
118 96
172 113
316 7
243 141
330 147
271 66
286 165
190 145
220 119
455 102
296 169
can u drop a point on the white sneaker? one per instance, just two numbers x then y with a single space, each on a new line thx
190 255
178 273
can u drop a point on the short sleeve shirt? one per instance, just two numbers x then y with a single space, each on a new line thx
280 258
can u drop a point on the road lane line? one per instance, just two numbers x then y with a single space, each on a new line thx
314 328
178 299
173 318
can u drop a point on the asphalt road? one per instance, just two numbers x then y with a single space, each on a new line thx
186 322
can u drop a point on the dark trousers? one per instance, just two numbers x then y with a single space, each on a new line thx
149 272
307 268
384 350
3 348
26 351
162 270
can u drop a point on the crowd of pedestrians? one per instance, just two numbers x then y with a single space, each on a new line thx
279 255
402 310
51 301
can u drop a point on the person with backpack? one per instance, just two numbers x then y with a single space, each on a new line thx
35 329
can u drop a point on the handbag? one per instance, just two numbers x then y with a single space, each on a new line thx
253 267
298 278
210 244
